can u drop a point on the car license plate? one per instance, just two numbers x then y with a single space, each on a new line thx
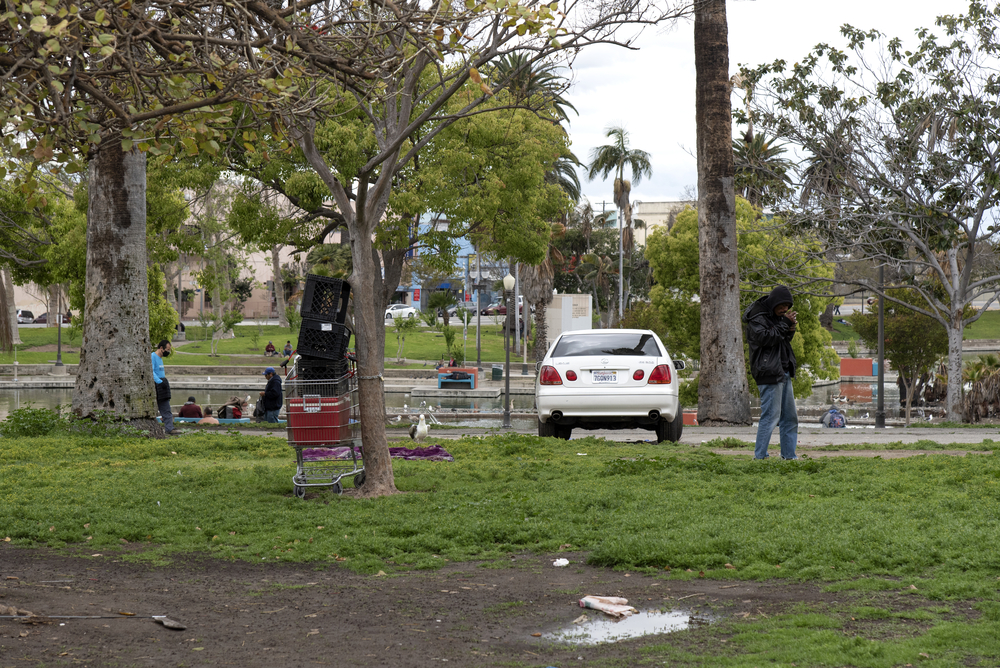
605 376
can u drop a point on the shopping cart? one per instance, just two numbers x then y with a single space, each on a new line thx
322 426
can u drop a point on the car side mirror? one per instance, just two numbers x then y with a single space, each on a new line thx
679 364
538 367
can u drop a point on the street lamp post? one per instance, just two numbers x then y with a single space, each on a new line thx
508 285
880 406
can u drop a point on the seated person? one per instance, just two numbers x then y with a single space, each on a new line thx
231 410
190 409
288 348
209 418
453 362
270 350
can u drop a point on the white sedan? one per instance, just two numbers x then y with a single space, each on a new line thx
609 379
400 311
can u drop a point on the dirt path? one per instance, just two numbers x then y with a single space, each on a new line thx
240 614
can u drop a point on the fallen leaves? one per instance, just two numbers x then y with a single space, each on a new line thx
730 566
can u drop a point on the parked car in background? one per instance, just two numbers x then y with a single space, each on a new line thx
43 319
496 308
400 311
609 379
25 317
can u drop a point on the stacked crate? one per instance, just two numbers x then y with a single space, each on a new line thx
324 336
319 395
322 394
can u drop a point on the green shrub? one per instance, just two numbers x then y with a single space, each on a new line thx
30 421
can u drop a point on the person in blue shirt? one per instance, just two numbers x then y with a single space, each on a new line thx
162 386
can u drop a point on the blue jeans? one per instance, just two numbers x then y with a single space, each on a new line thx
166 415
271 416
777 407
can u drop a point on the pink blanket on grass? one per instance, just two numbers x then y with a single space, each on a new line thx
433 453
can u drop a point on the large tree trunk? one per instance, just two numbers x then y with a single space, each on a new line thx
723 397
953 402
8 318
8 283
115 374
279 287
369 336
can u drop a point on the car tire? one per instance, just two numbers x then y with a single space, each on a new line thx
563 432
410 316
672 430
546 429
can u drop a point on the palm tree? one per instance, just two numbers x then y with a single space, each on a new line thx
613 158
761 174
528 79
826 178
536 286
598 270
723 396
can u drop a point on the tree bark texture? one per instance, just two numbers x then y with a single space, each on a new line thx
723 397
115 375
953 401
8 282
369 338
279 287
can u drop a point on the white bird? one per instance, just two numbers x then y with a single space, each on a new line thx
418 432
865 416
398 418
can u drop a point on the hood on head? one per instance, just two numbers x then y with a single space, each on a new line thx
780 295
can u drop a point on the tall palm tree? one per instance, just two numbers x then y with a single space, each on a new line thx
761 172
598 270
723 396
613 158
536 286
826 179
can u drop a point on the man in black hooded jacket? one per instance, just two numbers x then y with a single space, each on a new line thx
770 324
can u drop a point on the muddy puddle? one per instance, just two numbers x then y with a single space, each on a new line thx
594 628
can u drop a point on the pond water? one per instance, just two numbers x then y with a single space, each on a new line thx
597 629
856 399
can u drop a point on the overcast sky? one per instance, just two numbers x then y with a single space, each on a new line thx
651 91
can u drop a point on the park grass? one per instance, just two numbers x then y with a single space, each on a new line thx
424 344
635 506
905 547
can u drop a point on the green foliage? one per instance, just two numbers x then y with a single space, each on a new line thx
402 327
486 175
852 348
163 318
294 318
766 247
914 343
29 422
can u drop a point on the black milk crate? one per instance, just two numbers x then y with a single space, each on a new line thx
325 340
325 299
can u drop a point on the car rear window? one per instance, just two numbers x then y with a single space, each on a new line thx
613 343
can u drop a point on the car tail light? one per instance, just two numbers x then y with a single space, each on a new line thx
549 376
660 375
638 375
570 375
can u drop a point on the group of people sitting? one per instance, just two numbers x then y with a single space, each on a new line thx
234 409
271 351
